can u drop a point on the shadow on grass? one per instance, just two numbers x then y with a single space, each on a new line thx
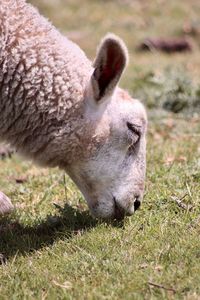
16 238
21 239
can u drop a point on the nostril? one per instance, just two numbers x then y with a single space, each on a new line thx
137 204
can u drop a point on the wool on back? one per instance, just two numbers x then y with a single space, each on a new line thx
42 78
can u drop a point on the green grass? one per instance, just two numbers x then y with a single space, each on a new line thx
51 247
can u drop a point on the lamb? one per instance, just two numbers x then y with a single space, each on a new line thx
58 109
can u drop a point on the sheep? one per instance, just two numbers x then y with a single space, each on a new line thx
60 110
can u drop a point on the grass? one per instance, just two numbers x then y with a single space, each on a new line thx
51 247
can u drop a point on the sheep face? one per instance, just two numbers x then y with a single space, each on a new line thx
112 172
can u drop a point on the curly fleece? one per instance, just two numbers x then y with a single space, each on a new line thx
42 80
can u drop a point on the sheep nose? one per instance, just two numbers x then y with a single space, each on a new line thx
121 212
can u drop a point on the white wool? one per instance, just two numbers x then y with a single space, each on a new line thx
43 75
58 110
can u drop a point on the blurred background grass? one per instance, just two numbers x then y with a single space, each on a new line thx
155 77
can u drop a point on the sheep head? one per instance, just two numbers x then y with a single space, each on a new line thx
111 172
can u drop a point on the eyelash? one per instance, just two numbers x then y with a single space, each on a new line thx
134 129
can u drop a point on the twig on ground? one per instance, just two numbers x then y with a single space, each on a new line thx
180 203
168 45
161 286
66 285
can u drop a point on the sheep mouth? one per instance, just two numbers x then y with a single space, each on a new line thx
119 212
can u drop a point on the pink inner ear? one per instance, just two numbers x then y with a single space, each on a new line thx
112 68
114 59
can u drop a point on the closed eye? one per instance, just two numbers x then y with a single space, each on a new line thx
135 129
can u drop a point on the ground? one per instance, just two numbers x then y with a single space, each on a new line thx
50 247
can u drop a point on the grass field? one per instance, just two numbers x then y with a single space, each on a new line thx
50 247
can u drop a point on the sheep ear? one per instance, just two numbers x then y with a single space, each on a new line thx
109 64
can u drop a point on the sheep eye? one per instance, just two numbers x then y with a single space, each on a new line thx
135 129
